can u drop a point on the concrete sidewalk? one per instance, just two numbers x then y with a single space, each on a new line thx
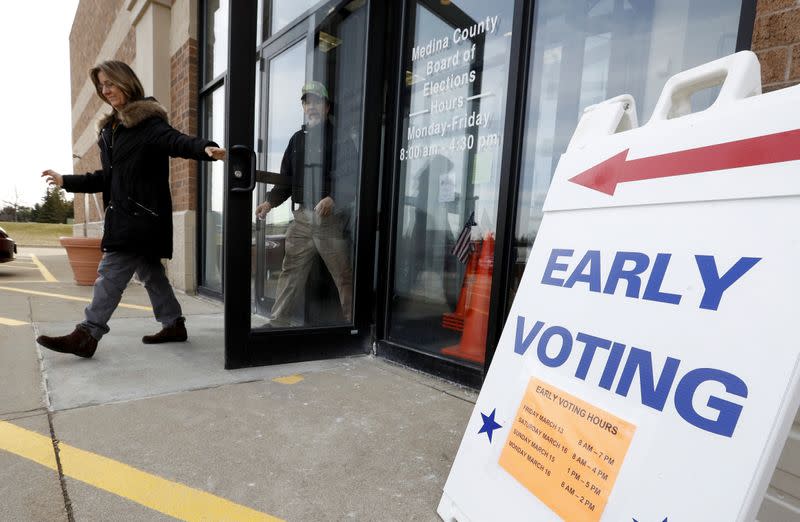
345 439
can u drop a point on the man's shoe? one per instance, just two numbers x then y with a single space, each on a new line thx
80 342
175 333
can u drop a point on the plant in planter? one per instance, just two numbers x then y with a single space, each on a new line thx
84 253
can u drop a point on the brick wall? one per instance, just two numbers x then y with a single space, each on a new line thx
86 37
90 161
776 41
85 44
183 116
126 53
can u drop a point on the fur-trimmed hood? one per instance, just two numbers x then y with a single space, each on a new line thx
134 113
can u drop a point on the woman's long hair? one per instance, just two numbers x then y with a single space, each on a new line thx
121 75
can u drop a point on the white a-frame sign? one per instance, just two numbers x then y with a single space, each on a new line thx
648 370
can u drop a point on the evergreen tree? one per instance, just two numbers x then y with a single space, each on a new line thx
55 208
8 213
24 214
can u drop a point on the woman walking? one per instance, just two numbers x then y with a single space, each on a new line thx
135 143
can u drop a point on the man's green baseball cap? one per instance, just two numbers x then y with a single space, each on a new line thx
315 88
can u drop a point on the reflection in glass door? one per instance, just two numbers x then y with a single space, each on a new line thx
307 201
452 117
285 73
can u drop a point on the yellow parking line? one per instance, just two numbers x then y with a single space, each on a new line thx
154 492
43 269
11 322
69 297
28 281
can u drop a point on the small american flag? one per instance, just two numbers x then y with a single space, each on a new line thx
463 246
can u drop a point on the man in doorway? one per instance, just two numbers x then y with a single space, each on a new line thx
323 178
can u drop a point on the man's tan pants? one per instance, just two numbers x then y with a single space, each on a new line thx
307 235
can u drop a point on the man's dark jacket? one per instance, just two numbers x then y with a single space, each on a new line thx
134 178
339 165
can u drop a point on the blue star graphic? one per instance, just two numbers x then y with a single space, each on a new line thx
489 425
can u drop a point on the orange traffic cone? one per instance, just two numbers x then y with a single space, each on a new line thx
472 346
455 320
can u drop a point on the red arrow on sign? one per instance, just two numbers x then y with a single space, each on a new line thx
761 150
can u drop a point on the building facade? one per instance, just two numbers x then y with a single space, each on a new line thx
457 112
159 40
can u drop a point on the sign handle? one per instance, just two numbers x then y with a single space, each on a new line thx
739 74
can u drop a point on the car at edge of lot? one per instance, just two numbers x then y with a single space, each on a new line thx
7 247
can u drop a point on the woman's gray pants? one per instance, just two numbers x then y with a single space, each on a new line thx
116 270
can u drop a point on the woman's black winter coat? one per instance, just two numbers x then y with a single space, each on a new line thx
135 175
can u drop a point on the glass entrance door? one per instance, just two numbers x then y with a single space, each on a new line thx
294 239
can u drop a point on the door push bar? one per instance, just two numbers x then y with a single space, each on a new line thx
244 175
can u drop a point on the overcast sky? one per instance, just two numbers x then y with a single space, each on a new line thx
35 129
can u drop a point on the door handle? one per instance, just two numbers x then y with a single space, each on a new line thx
242 168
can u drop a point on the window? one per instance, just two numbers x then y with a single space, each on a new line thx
215 50
586 52
213 180
212 105
282 12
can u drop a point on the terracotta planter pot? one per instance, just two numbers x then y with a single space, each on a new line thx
84 256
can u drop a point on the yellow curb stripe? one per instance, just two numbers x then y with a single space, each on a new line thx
69 297
5 321
170 498
289 379
28 444
43 269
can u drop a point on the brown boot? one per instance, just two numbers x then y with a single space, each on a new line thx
80 342
175 333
